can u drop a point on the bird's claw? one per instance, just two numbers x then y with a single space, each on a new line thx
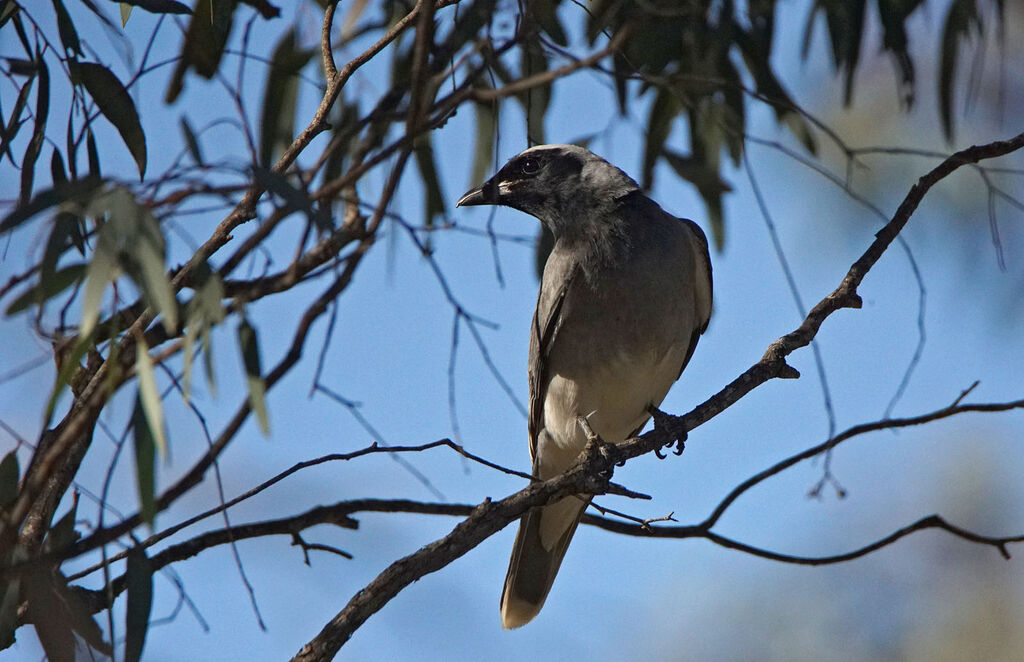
663 420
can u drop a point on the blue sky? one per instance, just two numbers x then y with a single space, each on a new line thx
616 596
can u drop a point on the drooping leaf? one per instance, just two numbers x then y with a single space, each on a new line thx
14 123
116 104
66 29
91 6
139 586
266 9
280 96
202 313
204 43
546 14
35 145
846 29
63 532
94 155
69 364
191 141
294 199
961 17
102 270
145 461
150 396
10 598
249 344
130 240
65 225
155 6
9 478
8 10
44 610
768 85
45 199
58 614
659 125
433 196
483 155
537 99
894 15
58 175
46 289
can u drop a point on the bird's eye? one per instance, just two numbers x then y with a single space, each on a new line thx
529 166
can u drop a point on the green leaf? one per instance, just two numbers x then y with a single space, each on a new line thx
203 311
280 96
8 10
191 142
116 104
659 125
14 123
755 57
294 198
46 613
486 123
145 461
35 145
150 396
535 100
139 586
433 196
546 14
46 289
962 15
156 7
58 614
94 155
102 271
68 366
9 478
204 43
10 598
709 185
249 344
63 532
58 174
66 29
43 200
129 240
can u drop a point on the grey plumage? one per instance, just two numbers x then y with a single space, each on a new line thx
625 295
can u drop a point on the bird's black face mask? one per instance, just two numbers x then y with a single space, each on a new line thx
536 182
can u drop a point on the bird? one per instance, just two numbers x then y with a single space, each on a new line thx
625 294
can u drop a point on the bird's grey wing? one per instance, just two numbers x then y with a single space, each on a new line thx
702 283
559 275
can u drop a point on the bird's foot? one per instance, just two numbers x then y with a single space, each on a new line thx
597 445
665 421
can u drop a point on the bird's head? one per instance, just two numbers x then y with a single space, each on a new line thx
564 186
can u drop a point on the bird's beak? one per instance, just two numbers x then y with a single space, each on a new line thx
485 194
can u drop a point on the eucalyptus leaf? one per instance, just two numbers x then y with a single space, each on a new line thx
280 96
116 104
145 461
9 478
35 145
46 289
66 29
139 586
249 345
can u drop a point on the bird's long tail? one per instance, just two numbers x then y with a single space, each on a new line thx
544 535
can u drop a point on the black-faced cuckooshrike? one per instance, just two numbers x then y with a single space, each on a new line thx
625 295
